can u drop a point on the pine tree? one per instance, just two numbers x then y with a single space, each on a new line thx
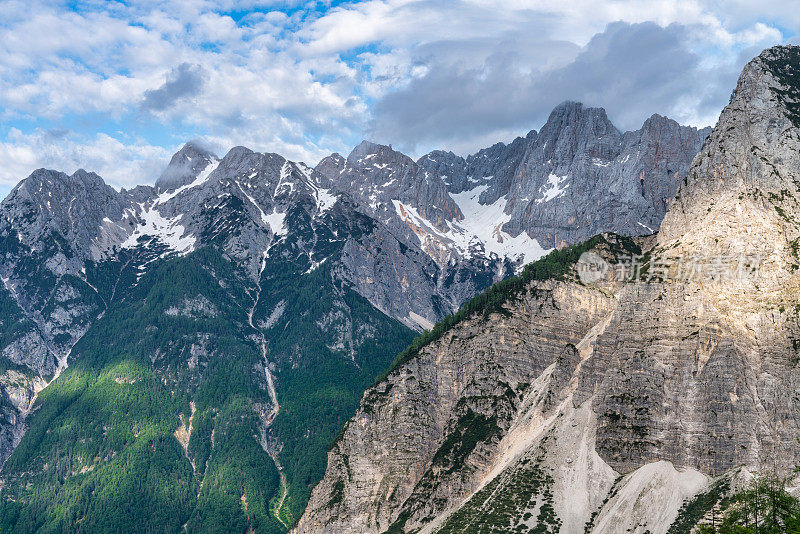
764 507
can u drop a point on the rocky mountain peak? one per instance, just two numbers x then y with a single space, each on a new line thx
72 204
50 225
367 154
656 120
573 122
194 148
442 156
241 159
571 131
48 181
238 152
737 211
185 166
88 178
580 159
751 161
451 167
331 166
38 181
263 176
658 129
387 182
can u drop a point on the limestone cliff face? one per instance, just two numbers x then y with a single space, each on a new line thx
605 407
406 450
728 359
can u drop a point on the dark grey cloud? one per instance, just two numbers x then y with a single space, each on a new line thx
183 81
57 133
632 70
637 70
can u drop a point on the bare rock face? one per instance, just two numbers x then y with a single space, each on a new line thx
70 210
738 204
386 183
578 176
376 172
493 167
473 405
582 176
606 406
418 263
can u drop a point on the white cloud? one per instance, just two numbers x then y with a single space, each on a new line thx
757 34
122 164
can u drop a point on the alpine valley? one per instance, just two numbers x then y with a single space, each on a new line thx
378 344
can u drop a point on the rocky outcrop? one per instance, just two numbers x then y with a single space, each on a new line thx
493 167
605 406
66 213
466 406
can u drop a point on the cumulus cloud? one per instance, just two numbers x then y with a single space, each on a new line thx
185 80
635 70
123 163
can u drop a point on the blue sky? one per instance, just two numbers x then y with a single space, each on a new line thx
117 87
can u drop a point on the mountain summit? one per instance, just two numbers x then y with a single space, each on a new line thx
185 166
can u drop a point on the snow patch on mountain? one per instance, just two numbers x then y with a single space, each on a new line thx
286 172
168 231
429 235
200 180
481 228
484 224
325 198
276 222
553 189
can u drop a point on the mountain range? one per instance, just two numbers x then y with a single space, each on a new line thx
627 402
183 355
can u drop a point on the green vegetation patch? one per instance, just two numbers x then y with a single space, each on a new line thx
500 507
696 508
786 68
102 454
